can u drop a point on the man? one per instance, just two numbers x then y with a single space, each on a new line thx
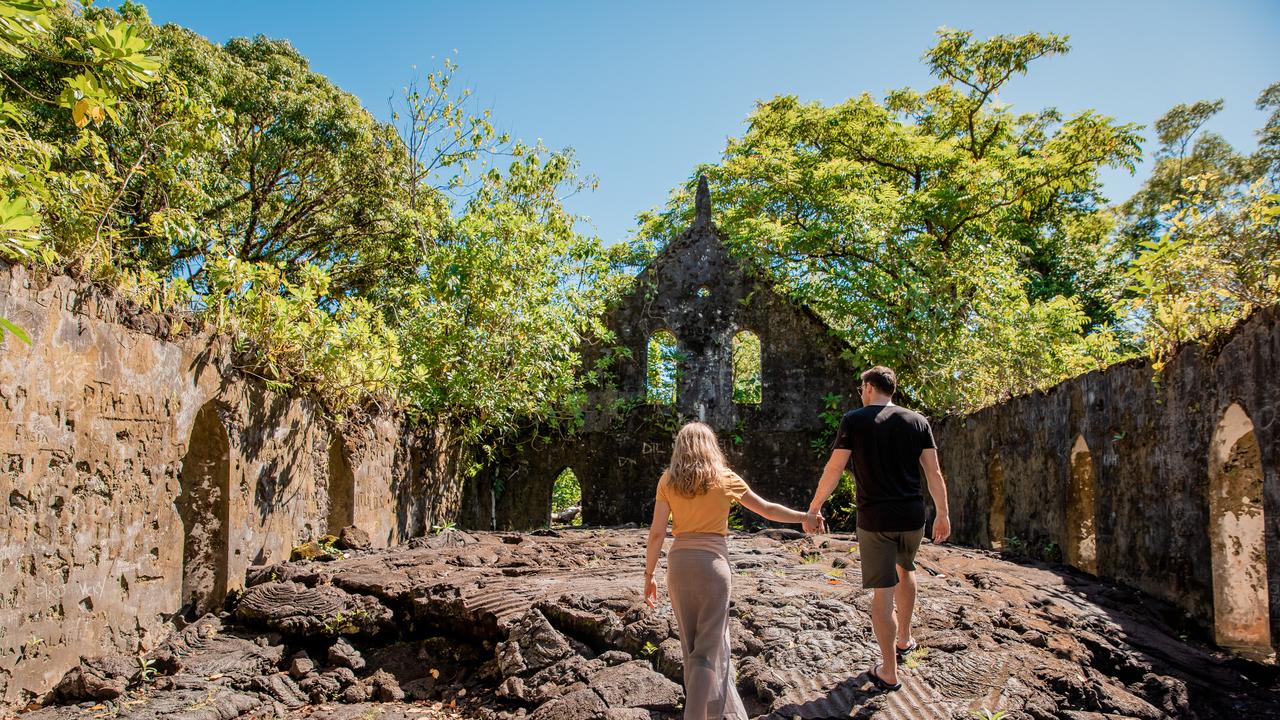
889 445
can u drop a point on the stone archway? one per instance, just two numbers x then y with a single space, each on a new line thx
995 495
1241 617
342 488
1082 543
204 506
565 494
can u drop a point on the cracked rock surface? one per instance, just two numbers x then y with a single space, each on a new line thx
551 626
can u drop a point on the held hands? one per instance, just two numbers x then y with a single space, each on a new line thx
814 523
650 591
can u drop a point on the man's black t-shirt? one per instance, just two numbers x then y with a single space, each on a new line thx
886 441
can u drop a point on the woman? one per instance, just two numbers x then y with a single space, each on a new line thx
696 492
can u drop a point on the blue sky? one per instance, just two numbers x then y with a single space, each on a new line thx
644 91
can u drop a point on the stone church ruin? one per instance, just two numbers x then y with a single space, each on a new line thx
702 304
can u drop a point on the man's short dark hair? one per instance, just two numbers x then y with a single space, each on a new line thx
882 379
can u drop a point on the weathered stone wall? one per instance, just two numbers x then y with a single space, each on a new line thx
141 476
1118 471
696 290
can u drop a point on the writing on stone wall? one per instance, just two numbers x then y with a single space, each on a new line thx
97 397
43 429
369 496
131 419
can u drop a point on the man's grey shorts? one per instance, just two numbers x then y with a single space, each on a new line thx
881 551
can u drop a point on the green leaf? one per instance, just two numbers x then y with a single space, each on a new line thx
18 332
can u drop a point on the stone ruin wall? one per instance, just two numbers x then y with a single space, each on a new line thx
126 447
696 290
1172 488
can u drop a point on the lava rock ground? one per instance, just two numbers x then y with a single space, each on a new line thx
551 626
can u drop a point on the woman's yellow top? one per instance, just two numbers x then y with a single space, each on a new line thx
705 513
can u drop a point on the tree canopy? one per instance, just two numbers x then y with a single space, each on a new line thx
938 231
428 262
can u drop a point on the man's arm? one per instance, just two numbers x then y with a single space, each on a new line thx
830 478
938 491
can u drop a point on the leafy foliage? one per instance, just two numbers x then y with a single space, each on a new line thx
1204 231
747 378
1214 266
505 294
918 224
843 504
566 492
350 258
663 368
289 339
430 262
112 61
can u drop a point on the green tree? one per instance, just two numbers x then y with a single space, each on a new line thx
1217 263
662 370
918 223
107 187
305 173
1202 231
92 73
505 293
241 145
1267 159
1185 150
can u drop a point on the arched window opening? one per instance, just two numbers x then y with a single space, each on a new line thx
663 369
203 504
995 513
1241 617
566 499
748 387
342 489
1082 544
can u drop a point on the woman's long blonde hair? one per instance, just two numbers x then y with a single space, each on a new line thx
696 460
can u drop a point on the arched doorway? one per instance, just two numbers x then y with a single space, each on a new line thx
1082 542
203 504
995 494
1241 617
566 498
342 488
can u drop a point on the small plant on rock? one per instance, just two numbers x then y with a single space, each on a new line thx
146 669
1051 552
1014 546
913 658
328 545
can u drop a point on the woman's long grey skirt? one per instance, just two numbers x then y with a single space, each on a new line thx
698 581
